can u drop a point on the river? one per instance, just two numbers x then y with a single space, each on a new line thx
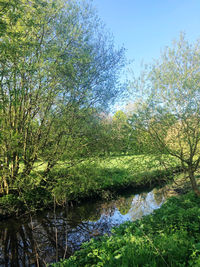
53 235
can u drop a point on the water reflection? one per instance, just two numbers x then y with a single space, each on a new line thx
51 236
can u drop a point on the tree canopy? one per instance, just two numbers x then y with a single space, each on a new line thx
56 63
171 113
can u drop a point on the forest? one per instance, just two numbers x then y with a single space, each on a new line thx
62 143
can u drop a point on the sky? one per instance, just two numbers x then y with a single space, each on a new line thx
146 27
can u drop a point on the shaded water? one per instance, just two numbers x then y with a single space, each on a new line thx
46 238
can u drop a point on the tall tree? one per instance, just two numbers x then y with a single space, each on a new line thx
122 132
56 61
171 115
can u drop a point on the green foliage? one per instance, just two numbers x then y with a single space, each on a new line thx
89 178
170 114
117 136
37 198
10 205
95 176
58 67
168 237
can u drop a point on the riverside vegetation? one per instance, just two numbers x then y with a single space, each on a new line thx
59 76
96 178
168 237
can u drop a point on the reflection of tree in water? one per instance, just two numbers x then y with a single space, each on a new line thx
108 208
18 247
33 243
124 204
86 212
47 238
159 195
138 205
145 203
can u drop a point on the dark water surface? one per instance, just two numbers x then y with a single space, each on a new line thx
38 240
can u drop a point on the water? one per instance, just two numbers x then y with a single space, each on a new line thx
48 237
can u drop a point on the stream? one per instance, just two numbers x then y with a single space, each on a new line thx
48 237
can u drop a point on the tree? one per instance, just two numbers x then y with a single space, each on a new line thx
121 132
171 113
113 134
56 62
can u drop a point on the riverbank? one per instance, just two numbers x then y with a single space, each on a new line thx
168 237
90 179
46 237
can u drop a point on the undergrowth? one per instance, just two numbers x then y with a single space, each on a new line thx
88 179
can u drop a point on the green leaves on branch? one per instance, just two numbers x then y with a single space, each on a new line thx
56 63
171 114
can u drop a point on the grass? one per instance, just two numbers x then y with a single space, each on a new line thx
168 237
98 177
95 176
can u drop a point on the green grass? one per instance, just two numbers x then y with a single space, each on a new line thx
168 237
99 177
93 177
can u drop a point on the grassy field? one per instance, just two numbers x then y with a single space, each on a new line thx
95 176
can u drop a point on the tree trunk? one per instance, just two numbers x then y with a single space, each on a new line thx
194 183
5 186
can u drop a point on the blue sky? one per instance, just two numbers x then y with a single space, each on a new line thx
145 27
